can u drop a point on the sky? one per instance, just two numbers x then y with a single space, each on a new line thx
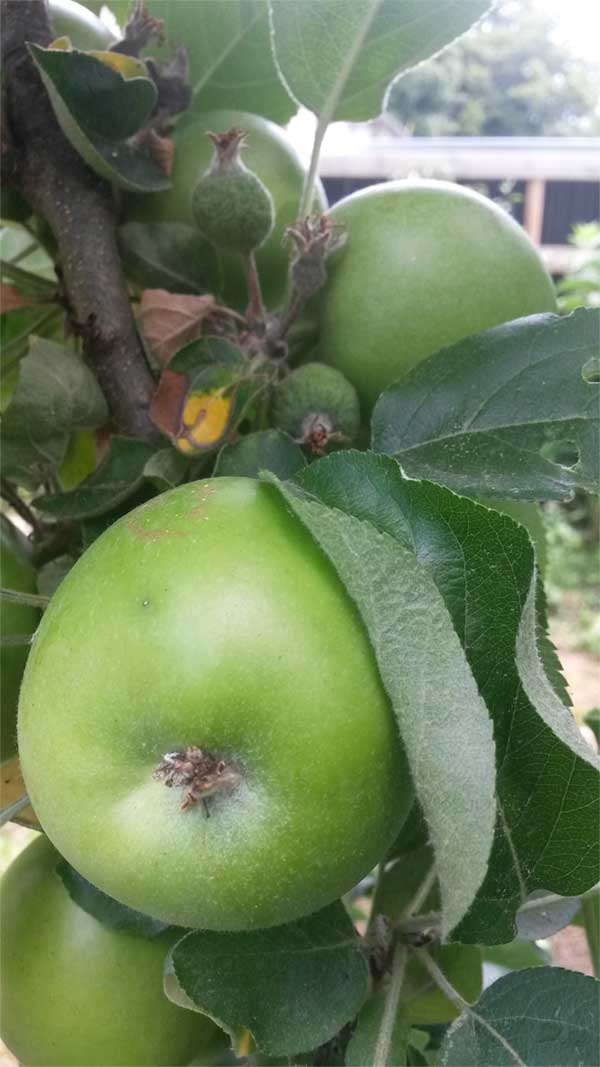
578 24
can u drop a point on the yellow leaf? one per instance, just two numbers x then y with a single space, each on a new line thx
125 65
61 44
204 421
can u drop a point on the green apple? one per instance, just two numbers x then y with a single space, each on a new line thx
207 619
17 573
84 29
271 157
425 264
77 992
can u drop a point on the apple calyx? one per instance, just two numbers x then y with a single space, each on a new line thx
201 774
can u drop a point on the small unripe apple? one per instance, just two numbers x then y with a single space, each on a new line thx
202 727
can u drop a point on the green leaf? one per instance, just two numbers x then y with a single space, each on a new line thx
543 914
423 1002
292 986
482 563
97 109
102 100
416 645
55 394
16 328
168 255
517 955
229 51
340 56
166 469
205 353
365 1044
492 414
541 1018
50 575
107 911
120 474
269 450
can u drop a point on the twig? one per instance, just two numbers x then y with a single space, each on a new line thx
8 813
381 1052
31 600
78 206
256 309
10 494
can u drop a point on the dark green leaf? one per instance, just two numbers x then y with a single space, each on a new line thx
482 563
269 450
117 478
541 1018
168 255
100 100
16 328
592 719
107 911
496 413
206 352
230 57
292 986
51 574
97 108
338 57
55 394
166 469
542 914
371 1043
416 646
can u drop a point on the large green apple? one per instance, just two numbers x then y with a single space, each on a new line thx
426 263
271 156
208 619
16 573
76 992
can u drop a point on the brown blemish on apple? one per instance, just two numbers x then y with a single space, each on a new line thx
199 773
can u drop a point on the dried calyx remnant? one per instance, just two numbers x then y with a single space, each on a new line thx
201 774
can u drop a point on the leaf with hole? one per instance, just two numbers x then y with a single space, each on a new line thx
510 412
293 987
338 57
99 110
540 1017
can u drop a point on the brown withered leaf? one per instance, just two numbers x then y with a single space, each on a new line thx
169 321
11 298
167 402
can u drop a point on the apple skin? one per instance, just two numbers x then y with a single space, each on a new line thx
17 573
271 156
209 617
425 264
84 29
77 992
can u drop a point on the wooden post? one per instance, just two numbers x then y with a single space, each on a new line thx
533 211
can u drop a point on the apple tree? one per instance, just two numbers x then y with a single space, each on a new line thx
278 691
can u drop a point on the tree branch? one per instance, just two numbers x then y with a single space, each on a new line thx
79 209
